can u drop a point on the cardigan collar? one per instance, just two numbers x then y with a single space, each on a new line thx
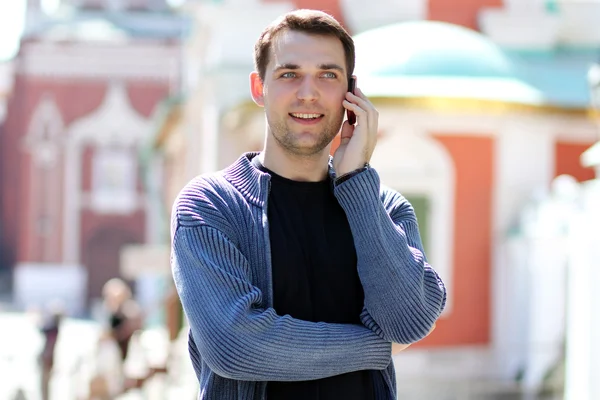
252 182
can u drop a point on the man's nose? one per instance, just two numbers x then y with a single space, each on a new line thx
308 90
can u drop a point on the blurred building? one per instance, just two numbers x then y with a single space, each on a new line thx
87 80
6 83
479 112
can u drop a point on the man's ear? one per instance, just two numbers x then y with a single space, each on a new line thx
256 88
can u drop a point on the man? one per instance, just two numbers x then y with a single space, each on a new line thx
297 271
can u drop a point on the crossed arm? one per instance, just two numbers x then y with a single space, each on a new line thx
240 340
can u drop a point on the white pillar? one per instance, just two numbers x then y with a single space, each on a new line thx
517 179
583 327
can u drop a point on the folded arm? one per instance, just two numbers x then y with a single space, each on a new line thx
240 340
404 296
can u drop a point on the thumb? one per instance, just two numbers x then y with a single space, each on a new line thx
347 132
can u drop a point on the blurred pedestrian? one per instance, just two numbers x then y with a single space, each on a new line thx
125 315
50 328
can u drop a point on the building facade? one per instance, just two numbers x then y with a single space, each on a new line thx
87 81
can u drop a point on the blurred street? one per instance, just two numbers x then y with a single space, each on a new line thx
78 359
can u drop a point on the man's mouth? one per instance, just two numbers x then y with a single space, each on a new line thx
302 117
306 116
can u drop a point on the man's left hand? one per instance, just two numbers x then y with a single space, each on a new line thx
358 141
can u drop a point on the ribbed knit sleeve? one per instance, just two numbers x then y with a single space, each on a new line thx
239 340
404 296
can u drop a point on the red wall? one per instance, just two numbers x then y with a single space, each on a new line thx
101 240
469 321
460 12
568 160
12 178
145 95
75 99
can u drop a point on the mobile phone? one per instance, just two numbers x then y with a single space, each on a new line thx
351 87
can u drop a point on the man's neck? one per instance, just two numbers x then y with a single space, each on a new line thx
312 168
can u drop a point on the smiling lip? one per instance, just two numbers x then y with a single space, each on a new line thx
307 118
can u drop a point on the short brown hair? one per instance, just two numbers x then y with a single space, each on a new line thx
312 22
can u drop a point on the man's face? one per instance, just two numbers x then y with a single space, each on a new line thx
304 86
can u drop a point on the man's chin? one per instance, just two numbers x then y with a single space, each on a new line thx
310 149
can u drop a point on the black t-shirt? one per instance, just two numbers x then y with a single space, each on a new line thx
314 276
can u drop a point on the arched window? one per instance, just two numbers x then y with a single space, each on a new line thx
114 177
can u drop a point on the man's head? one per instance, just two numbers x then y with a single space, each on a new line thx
303 62
311 22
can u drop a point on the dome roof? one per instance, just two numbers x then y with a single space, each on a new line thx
430 48
428 58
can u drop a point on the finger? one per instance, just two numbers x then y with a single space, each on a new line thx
361 94
355 98
431 330
347 132
363 103
398 347
358 111
359 98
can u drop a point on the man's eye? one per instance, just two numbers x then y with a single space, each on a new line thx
288 75
330 75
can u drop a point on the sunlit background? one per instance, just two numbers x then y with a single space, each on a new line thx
12 20
487 125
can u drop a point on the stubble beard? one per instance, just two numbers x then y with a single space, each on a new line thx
289 142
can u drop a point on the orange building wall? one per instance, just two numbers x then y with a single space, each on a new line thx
460 12
469 321
567 161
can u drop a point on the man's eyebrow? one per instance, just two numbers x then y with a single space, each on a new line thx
286 66
332 66
320 66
